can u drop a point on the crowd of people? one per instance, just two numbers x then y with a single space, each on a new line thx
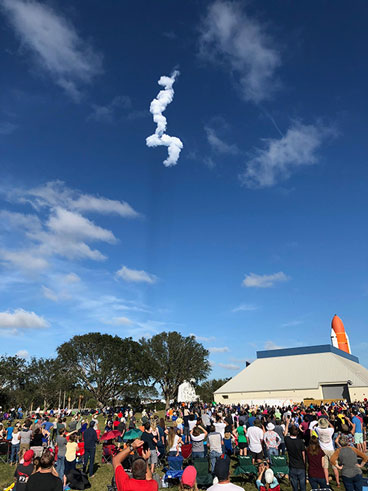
322 444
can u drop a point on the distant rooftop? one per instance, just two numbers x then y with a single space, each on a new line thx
306 350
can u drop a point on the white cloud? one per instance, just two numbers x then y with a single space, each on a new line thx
55 194
58 228
245 307
253 280
215 349
135 275
231 37
49 294
158 106
22 353
292 323
21 319
203 339
67 223
122 321
72 278
280 157
229 366
270 345
55 44
218 144
28 260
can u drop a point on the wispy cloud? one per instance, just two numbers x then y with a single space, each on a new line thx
7 128
215 349
253 280
109 112
245 307
270 345
20 318
203 339
218 144
229 36
229 366
280 157
292 323
135 275
57 228
57 47
72 278
158 106
56 193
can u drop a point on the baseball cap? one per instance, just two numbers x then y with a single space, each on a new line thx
189 476
269 476
222 468
28 456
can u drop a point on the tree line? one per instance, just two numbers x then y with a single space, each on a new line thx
101 369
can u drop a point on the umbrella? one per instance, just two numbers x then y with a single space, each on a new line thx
110 435
132 434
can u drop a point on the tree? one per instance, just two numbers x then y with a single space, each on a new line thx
208 387
105 365
12 378
170 359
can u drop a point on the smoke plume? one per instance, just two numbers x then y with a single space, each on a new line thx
158 106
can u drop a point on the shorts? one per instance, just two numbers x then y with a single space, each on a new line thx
358 438
153 458
326 458
242 445
256 456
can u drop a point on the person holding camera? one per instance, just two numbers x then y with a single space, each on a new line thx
150 443
141 479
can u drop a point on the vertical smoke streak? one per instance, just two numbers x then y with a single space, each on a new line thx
158 106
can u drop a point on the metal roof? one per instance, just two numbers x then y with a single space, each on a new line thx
296 371
306 350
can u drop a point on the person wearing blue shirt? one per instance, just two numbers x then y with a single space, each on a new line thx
9 432
357 431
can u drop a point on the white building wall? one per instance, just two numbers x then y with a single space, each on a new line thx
267 396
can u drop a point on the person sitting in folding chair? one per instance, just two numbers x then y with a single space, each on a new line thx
266 479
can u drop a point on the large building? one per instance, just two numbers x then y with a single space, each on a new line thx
283 376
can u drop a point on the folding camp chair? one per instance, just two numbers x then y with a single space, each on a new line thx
4 452
279 465
175 470
204 477
245 466
106 457
186 450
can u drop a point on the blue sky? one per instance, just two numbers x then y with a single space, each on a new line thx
254 239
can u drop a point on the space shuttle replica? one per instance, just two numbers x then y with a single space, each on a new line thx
339 338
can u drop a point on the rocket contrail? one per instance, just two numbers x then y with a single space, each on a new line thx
158 106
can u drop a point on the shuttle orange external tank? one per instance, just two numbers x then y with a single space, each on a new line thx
339 337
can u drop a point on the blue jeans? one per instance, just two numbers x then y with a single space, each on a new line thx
297 479
272 451
317 482
213 457
14 455
353 483
198 455
89 453
60 466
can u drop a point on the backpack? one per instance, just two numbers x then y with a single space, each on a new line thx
78 479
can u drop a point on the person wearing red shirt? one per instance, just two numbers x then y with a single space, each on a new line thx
142 476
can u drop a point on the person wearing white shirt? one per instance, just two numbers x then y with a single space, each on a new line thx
255 440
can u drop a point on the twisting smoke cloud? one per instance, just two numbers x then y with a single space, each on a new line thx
158 106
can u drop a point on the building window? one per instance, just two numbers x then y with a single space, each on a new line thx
225 397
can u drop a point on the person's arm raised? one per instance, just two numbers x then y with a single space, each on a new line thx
123 454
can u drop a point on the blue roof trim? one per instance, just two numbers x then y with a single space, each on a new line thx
306 350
